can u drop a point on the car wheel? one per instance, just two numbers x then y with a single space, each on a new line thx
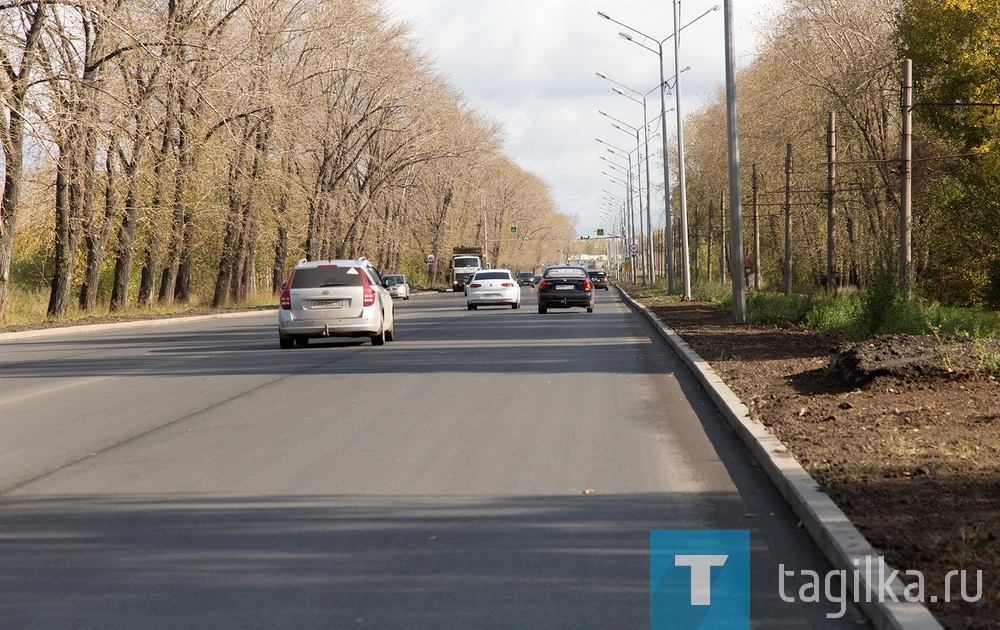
605 288
542 310
286 343
302 342
590 309
515 305
378 339
390 335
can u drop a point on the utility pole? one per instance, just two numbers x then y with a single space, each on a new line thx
905 211
756 234
722 238
788 219
831 207
709 239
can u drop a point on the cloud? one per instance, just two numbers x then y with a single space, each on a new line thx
531 65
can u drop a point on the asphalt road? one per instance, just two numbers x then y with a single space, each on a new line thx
489 469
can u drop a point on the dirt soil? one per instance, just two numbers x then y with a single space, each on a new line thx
902 432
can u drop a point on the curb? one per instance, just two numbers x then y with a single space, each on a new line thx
838 539
138 323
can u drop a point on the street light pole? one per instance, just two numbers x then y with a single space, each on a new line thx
628 218
638 166
649 274
667 205
648 267
681 183
735 193
628 190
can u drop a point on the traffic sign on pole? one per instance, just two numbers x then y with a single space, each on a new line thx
634 248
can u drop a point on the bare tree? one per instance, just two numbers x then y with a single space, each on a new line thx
23 24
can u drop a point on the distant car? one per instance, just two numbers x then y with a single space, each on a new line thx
397 285
526 278
494 286
599 278
335 298
565 286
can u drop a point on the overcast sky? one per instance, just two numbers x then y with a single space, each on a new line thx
532 64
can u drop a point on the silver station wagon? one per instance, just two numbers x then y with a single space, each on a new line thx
335 298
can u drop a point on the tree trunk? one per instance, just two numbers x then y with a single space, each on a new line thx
97 238
126 239
281 242
64 252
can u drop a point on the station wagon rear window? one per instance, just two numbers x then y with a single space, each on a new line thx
316 277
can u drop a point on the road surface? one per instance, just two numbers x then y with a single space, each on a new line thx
489 469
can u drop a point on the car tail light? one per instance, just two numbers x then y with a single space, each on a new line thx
369 291
544 284
285 299
475 285
586 285
506 284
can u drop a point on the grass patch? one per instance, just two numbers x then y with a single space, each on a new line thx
856 315
28 307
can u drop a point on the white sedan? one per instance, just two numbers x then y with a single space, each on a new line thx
493 286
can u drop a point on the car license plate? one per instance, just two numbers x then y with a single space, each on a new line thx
328 303
492 295
565 287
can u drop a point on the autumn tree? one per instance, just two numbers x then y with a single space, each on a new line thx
955 48
818 56
22 26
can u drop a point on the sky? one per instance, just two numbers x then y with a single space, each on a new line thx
532 66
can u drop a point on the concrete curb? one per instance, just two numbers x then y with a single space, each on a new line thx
138 323
839 540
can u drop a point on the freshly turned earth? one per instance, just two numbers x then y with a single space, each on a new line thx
903 433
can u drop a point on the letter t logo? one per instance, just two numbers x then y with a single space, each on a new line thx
701 575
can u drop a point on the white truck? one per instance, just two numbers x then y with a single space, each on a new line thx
465 261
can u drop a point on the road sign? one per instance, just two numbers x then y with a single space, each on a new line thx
600 231
634 248
430 258
513 229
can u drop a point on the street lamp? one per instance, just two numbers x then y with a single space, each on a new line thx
630 224
648 254
618 167
681 183
628 204
633 131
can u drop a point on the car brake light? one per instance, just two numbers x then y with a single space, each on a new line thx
285 299
475 285
369 292
586 285
543 284
506 284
